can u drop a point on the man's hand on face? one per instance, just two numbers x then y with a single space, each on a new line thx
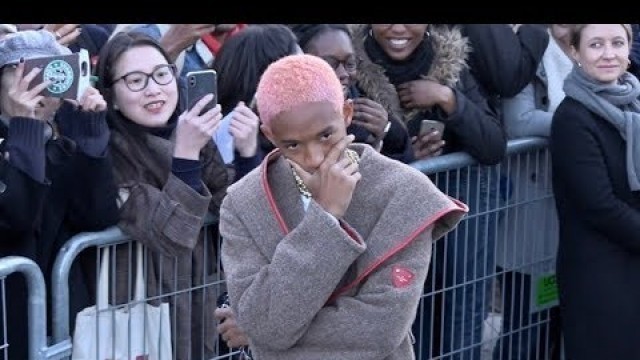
332 185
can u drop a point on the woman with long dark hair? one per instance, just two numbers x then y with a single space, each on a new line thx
169 175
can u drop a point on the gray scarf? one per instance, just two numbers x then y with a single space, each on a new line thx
618 104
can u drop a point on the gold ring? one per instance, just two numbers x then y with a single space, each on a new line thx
57 34
353 156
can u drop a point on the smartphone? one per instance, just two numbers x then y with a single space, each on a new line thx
199 84
429 125
70 75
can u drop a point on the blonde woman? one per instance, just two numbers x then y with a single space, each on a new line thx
595 152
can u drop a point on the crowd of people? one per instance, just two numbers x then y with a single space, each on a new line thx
327 233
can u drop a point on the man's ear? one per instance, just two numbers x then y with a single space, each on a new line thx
347 110
266 130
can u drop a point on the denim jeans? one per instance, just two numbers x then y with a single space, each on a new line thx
459 286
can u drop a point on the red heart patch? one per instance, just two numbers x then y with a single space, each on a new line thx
401 276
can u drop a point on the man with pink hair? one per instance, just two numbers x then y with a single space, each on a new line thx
322 259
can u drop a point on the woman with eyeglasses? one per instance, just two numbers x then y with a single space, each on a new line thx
373 122
170 175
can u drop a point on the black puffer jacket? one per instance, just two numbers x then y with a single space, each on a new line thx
503 61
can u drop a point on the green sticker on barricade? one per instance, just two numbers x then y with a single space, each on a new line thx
546 292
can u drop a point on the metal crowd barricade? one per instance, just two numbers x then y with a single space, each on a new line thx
112 239
463 309
36 303
60 276
449 324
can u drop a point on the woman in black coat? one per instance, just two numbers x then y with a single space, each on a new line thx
55 177
595 147
422 72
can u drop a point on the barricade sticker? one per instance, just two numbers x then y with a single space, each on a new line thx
545 292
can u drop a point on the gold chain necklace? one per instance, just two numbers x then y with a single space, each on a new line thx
302 187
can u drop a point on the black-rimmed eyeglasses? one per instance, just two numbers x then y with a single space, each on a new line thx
349 63
138 80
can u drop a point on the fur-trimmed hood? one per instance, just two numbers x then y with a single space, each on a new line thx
451 51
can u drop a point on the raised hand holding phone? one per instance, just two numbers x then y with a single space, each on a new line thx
332 185
429 141
199 84
91 100
22 101
69 75
195 130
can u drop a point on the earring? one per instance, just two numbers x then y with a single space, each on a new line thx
427 34
116 107
579 64
370 32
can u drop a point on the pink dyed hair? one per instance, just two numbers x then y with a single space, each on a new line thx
294 80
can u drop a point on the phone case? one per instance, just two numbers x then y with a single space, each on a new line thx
70 75
428 125
199 84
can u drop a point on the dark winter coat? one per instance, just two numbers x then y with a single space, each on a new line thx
473 127
504 62
36 219
598 263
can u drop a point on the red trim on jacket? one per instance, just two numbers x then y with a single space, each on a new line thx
349 230
389 254
267 190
